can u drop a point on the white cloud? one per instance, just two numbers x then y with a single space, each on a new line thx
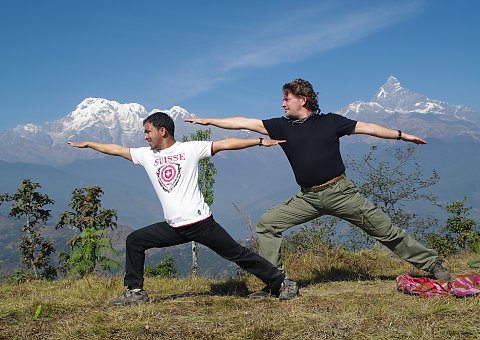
287 40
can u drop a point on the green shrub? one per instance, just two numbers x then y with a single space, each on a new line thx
165 268
20 276
459 233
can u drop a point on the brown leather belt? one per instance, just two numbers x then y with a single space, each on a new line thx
325 185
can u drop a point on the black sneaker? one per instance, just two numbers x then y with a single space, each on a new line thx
288 290
439 272
266 292
130 296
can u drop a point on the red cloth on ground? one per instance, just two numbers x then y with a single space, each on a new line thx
463 285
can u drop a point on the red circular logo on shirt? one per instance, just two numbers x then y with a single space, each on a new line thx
168 176
168 173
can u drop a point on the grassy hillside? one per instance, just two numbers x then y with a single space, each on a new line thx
344 295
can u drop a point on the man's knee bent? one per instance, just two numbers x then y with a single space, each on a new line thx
133 239
378 224
266 224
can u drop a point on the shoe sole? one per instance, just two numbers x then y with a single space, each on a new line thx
283 298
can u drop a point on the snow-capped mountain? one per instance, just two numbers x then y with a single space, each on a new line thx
398 107
95 119
108 121
392 98
249 178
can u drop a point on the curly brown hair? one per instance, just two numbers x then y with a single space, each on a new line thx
303 88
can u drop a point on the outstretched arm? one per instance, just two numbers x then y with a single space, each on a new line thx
241 143
232 123
109 149
386 133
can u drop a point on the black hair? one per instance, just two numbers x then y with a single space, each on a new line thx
161 119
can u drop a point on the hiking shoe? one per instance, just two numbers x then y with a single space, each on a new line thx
439 272
130 296
266 292
288 290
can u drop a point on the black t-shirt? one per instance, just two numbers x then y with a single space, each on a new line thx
312 147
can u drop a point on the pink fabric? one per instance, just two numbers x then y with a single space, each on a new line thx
463 285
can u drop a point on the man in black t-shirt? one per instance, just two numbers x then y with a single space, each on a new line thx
313 150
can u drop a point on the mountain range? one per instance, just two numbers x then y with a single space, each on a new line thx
108 121
395 106
248 181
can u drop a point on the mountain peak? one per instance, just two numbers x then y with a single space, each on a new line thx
176 112
101 112
391 98
393 81
391 87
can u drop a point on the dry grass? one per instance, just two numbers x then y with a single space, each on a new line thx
344 296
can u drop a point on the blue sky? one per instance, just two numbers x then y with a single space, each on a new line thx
224 58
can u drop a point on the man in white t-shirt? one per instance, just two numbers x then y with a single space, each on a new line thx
173 170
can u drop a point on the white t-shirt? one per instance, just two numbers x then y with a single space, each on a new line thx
174 175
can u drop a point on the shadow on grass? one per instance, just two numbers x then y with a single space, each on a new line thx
178 296
340 274
230 287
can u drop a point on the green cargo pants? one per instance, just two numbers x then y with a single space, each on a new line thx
344 201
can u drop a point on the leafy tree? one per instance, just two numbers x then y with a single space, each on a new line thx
391 183
206 169
91 247
27 205
206 179
460 232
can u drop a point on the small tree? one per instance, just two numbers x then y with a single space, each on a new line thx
389 184
27 204
91 247
206 179
459 233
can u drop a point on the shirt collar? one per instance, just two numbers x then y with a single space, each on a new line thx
300 121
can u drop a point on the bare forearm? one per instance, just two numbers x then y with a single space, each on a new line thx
108 149
242 143
238 143
380 131
232 123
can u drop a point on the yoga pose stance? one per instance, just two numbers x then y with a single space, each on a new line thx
313 150
172 167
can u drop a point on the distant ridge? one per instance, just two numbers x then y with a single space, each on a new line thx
398 107
108 121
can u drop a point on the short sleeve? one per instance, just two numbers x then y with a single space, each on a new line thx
344 125
273 127
203 149
138 155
